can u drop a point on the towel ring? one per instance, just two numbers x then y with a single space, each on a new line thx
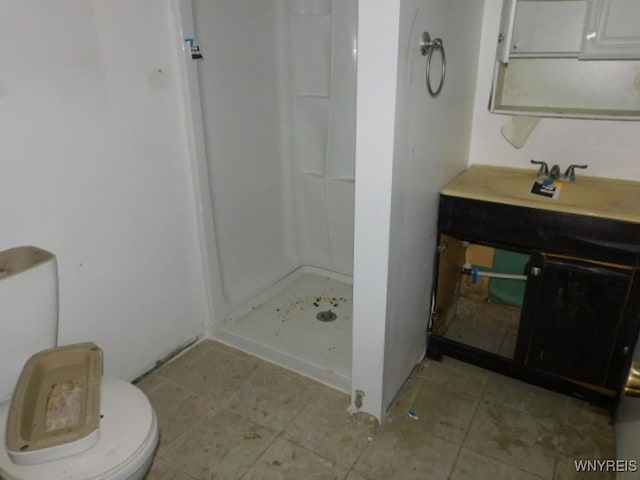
427 47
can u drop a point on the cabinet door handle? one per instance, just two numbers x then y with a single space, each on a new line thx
536 271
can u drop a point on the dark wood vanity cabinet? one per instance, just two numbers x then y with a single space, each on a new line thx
578 321
575 315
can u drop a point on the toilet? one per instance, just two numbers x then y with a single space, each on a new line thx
60 418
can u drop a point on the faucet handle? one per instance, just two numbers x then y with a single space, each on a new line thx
570 174
543 172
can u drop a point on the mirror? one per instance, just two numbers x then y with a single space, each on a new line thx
568 58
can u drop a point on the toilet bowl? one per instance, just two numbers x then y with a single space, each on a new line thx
128 438
119 445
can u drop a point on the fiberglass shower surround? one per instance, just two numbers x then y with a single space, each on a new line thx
277 90
277 87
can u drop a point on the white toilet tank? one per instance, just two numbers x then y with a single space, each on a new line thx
28 310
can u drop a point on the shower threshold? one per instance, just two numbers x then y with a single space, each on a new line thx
287 325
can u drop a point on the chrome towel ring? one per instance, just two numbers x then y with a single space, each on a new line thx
427 47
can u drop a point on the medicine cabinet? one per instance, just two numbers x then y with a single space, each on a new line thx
568 58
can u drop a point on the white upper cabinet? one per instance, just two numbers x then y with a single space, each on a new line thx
612 30
568 58
584 29
538 28
507 20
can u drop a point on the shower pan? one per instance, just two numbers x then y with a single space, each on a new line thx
276 90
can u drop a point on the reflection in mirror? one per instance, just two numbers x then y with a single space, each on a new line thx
568 58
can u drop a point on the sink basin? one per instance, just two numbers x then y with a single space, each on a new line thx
601 197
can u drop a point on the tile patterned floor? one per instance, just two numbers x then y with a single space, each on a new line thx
227 415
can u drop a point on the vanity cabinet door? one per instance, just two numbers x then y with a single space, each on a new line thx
577 318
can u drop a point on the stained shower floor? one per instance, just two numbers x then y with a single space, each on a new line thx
281 326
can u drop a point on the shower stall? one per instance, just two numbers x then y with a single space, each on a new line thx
273 101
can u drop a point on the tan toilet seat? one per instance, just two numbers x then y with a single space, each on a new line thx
128 437
55 409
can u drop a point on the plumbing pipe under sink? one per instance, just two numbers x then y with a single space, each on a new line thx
475 272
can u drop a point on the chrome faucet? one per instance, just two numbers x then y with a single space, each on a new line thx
554 174
570 174
543 172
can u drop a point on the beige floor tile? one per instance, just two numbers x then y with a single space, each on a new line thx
325 427
525 397
444 411
353 475
224 414
585 434
215 373
587 441
287 461
452 372
403 450
473 466
566 469
149 382
578 411
272 396
514 437
221 446
406 399
161 470
193 357
178 409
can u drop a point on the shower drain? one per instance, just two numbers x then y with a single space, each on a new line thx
326 316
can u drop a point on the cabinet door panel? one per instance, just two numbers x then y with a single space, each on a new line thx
578 317
612 30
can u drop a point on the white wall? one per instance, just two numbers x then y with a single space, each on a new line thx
378 36
93 162
610 148
408 145
431 146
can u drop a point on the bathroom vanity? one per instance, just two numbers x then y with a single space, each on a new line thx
568 313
